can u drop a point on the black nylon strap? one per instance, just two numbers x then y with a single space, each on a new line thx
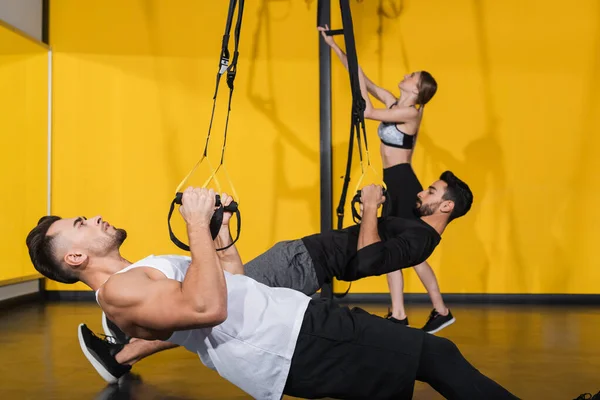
358 103
341 204
236 39
231 69
225 66
334 32
357 114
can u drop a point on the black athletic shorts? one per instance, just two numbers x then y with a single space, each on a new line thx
402 187
347 353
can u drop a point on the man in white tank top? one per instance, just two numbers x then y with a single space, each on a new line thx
267 341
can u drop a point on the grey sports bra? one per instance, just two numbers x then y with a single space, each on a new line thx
390 135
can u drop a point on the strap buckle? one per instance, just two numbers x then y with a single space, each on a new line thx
224 65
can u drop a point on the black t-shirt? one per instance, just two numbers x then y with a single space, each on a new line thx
405 242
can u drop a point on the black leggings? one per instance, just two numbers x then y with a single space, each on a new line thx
347 353
444 368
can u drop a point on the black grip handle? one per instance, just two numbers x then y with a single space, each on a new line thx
215 222
334 32
231 207
179 200
356 213
356 200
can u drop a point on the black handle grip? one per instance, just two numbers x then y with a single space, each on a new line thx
334 32
231 207
356 200
179 200
215 222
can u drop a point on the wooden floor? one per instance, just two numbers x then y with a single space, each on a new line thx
537 352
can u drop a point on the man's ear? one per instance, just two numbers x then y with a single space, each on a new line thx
76 258
447 206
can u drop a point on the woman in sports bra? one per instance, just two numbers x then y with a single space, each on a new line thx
401 118
398 129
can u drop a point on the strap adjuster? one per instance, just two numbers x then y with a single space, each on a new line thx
224 65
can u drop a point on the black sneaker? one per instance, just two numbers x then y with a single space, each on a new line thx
101 354
437 321
110 329
396 321
585 396
596 396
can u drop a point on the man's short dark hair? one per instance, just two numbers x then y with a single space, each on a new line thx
458 192
41 252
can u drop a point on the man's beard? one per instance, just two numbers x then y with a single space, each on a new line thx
108 244
423 210
120 237
113 242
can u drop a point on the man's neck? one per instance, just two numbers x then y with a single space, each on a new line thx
436 221
100 269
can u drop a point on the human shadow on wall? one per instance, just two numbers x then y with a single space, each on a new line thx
493 164
483 169
264 100
435 160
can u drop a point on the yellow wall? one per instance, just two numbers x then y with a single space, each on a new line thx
133 94
23 146
514 116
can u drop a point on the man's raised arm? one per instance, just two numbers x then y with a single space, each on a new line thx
150 306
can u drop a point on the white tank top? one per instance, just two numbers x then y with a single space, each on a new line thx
253 348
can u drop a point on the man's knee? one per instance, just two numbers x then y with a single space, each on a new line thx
440 346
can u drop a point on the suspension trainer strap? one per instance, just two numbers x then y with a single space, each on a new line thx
341 204
231 69
358 103
224 65
231 76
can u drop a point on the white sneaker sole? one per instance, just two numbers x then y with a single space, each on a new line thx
445 324
107 376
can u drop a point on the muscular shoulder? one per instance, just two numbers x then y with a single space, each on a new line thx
124 288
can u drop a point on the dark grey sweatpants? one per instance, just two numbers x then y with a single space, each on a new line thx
287 264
